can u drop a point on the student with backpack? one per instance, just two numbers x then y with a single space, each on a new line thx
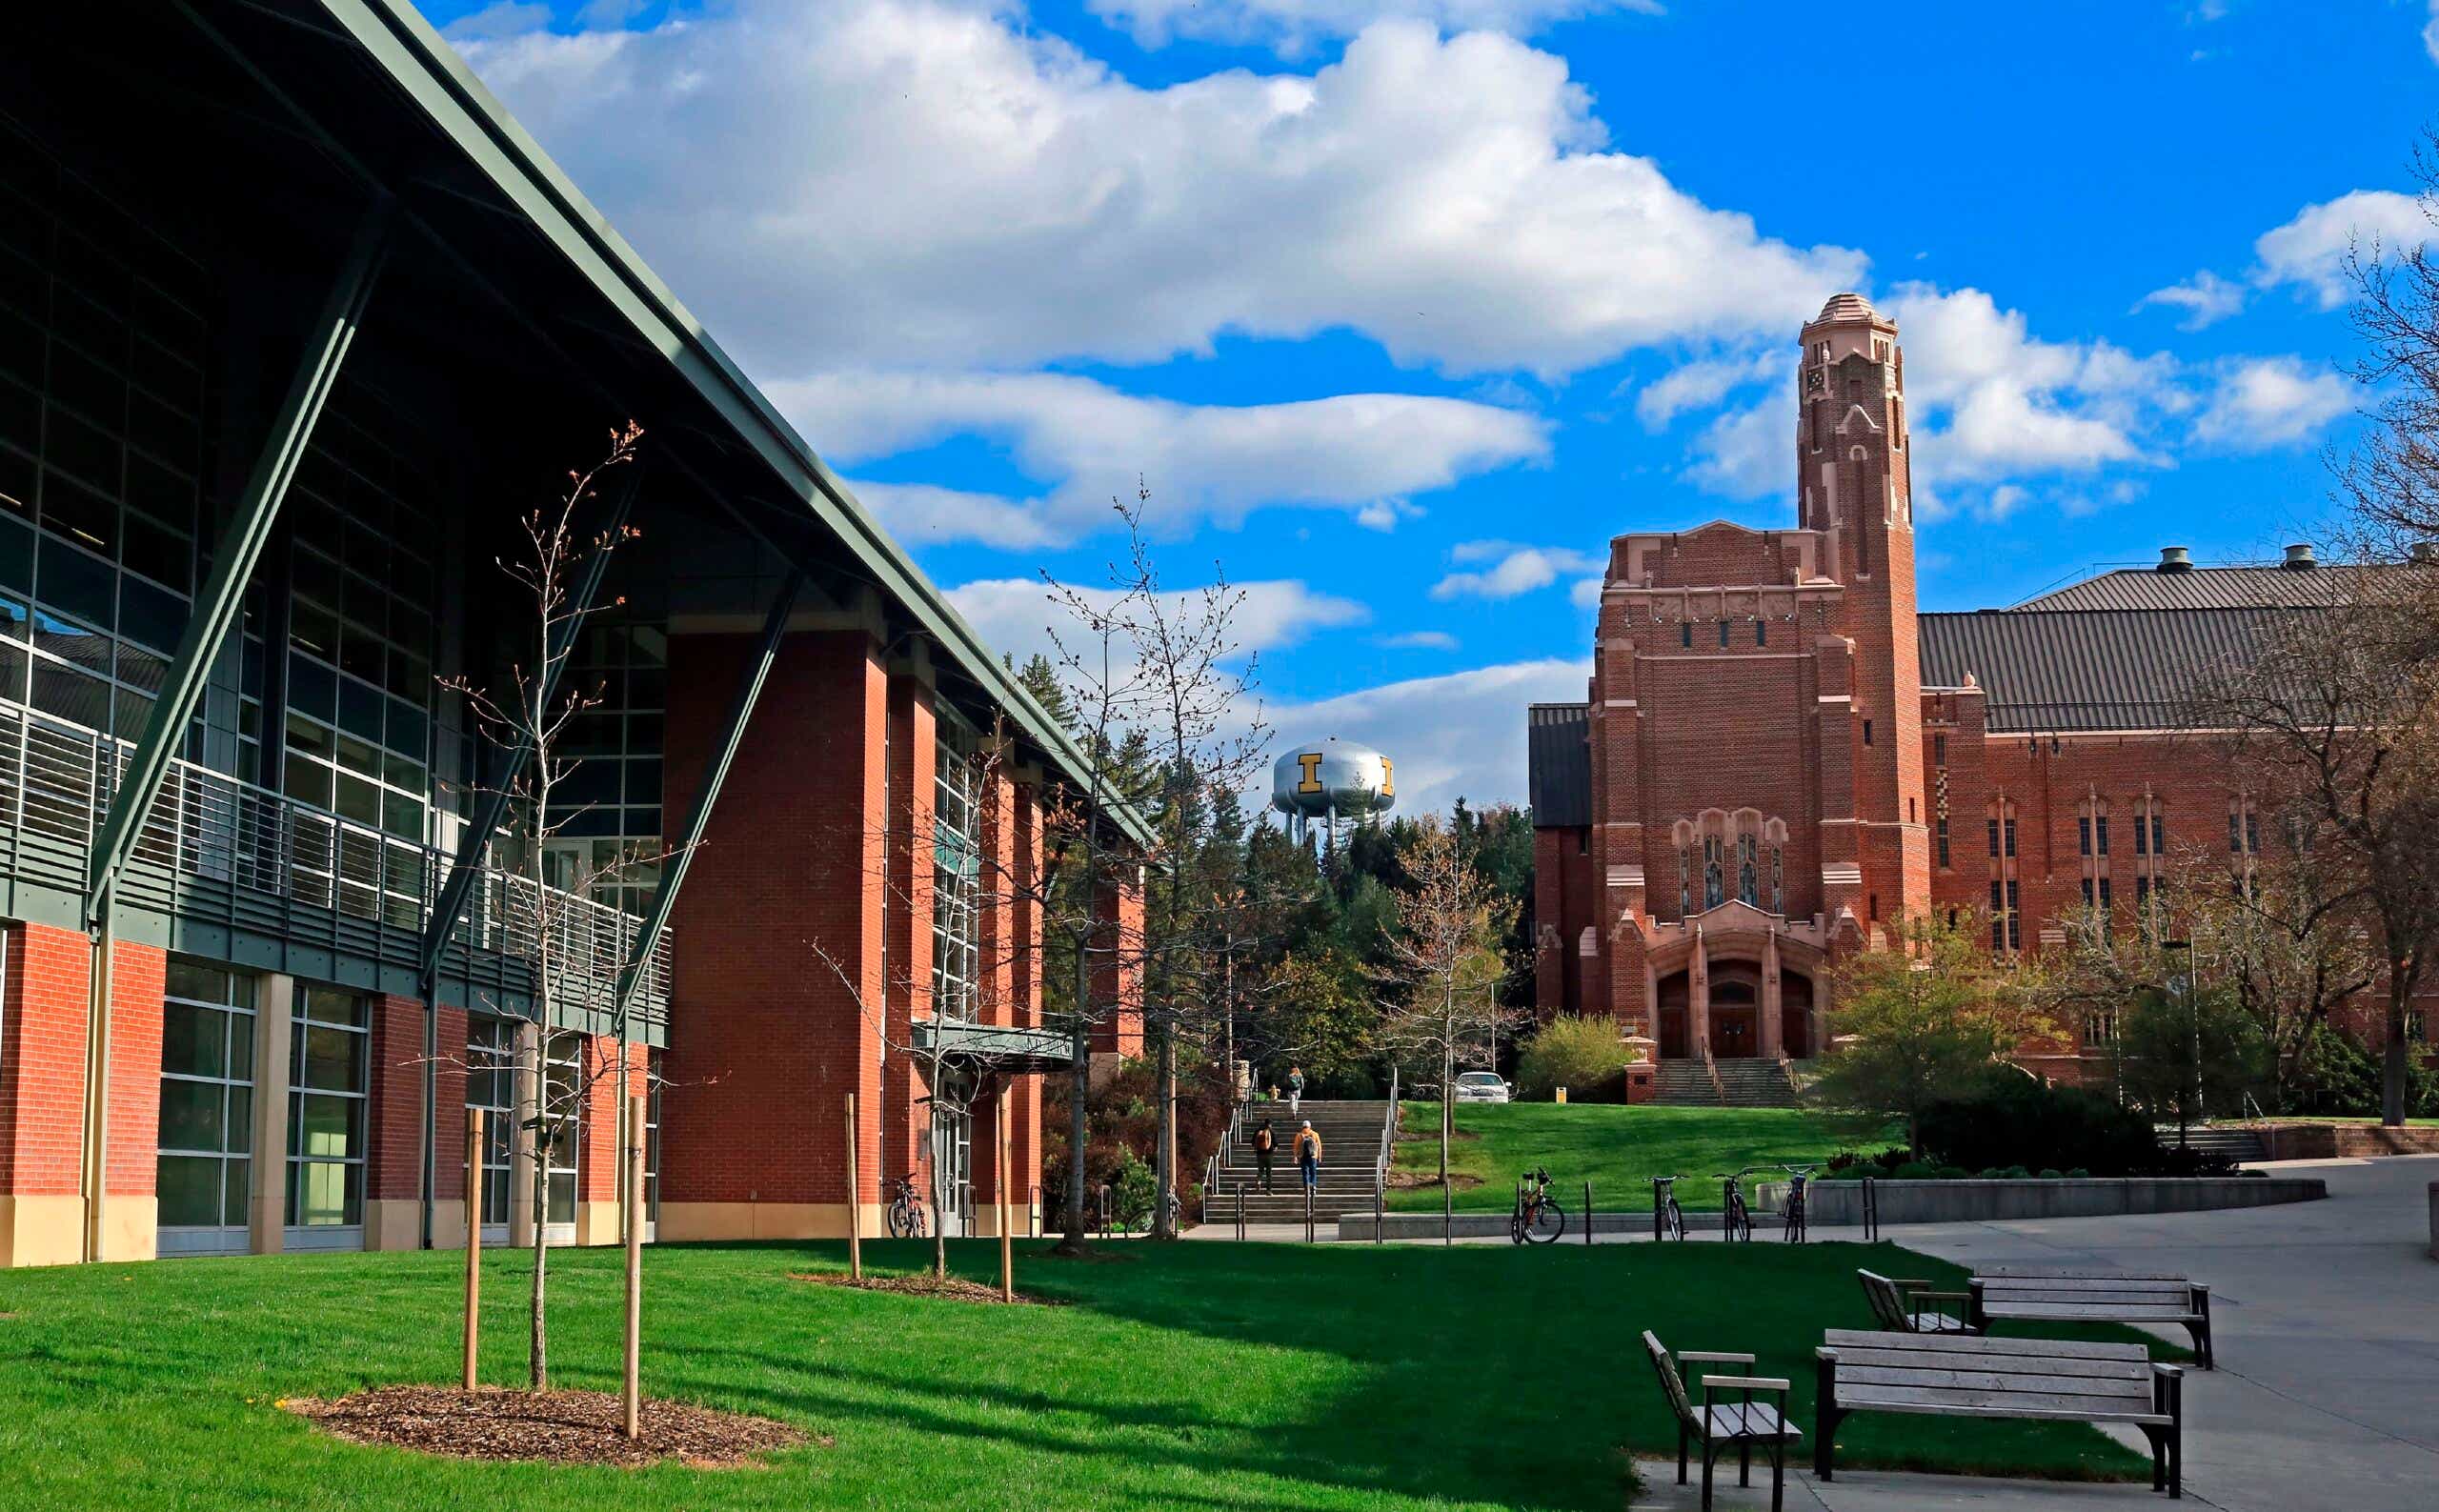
1308 1156
1295 1092
1266 1148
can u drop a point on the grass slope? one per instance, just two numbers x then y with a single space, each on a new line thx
1618 1149
1203 1376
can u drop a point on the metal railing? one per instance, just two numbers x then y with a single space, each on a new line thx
218 850
1710 1068
1388 1141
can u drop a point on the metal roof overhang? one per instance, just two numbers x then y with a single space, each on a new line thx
1002 1047
500 171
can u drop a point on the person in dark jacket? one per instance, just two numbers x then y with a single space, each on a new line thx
1266 1150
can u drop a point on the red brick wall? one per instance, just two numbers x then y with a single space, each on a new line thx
133 1127
1118 978
765 1043
914 766
449 1164
394 1165
42 1062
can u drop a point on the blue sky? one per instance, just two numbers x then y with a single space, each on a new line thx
1403 308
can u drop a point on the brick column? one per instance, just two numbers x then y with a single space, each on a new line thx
906 907
1026 928
449 1155
393 1119
131 1168
765 1042
1117 971
602 1148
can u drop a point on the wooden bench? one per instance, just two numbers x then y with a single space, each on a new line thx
1719 1426
1895 1304
1964 1376
2103 1297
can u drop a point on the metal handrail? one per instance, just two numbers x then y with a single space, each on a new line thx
1388 1140
1710 1064
56 781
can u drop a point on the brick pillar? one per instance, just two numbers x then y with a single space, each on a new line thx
1027 928
1117 971
765 1040
601 1150
906 906
1771 1036
996 996
394 1118
131 1211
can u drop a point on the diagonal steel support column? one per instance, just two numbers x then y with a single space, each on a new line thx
218 608
491 803
672 870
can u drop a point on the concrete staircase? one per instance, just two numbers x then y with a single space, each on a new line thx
1350 1145
2236 1144
1757 1083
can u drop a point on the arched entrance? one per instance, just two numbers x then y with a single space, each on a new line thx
1674 996
1735 1010
1795 1014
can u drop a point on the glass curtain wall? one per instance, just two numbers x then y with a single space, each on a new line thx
956 870
491 1085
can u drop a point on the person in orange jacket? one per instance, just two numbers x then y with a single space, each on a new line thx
1308 1154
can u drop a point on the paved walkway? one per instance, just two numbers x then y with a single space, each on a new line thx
2326 1317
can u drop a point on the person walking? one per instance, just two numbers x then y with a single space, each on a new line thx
1295 1093
1308 1156
1265 1149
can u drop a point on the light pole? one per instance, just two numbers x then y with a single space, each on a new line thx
2182 985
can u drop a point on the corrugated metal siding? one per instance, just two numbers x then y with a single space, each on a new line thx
2069 670
2203 588
1559 762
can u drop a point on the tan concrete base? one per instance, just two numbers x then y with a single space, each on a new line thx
392 1223
131 1228
1023 1223
681 1222
598 1223
41 1230
449 1226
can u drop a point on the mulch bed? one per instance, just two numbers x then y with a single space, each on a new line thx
953 1289
566 1427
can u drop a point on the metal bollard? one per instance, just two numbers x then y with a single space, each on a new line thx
1241 1210
1587 1212
1376 1215
1308 1215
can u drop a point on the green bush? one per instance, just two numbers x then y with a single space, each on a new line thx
2334 1074
2007 1118
1581 1054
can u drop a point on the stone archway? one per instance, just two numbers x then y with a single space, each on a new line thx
1735 1010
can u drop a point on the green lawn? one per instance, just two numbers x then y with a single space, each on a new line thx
1210 1376
1618 1149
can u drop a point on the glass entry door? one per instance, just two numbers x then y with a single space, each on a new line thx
952 1154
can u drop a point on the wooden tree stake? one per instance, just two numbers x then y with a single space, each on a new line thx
1007 1244
635 1375
474 1236
855 1199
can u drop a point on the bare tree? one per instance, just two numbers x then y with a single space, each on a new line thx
1446 963
529 709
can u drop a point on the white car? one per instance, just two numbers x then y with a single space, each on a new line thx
1480 1086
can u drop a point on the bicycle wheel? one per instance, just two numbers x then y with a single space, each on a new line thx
1676 1220
1739 1224
1548 1224
1515 1228
1795 1221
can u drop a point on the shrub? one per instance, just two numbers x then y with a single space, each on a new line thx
2050 1173
1915 1171
1583 1055
2009 1119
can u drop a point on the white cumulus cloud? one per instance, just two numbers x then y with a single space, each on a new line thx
2266 402
2308 253
2205 299
1461 735
926 183
1088 443
1019 616
1510 569
1293 26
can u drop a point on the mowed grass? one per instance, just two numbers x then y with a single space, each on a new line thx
1618 1149
1197 1375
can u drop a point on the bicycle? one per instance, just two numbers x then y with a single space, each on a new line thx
1799 1177
907 1218
1667 1218
1739 1219
1538 1219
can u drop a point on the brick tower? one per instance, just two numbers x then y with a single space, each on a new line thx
1852 485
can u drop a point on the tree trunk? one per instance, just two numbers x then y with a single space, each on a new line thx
2393 1063
941 1173
1164 1138
1079 1235
1447 1110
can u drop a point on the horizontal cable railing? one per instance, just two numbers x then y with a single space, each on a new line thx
221 851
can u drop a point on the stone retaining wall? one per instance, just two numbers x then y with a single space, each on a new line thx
2331 1141
1973 1200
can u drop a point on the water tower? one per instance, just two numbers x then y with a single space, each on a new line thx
1335 781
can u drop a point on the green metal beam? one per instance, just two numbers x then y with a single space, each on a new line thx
490 802
222 602
672 870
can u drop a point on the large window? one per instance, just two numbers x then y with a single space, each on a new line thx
491 1086
330 1058
607 809
562 1082
207 1109
956 873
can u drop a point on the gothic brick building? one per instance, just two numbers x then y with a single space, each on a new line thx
1779 757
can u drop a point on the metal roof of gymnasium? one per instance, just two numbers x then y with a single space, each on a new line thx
444 90
2062 671
1558 764
2203 588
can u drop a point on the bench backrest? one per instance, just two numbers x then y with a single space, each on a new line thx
2000 1377
1670 1382
1887 1302
2095 1288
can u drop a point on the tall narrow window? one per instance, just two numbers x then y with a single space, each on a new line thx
1748 873
2083 835
1722 634
2158 845
1943 829
1866 731
1684 883
206 1110
2100 834
2015 919
1761 632
1714 881
563 1074
2142 846
1778 879
2104 895
1994 836
491 1086
330 1039
1685 634
1938 750
2011 834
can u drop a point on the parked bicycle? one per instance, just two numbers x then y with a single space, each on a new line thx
907 1216
1538 1219
1667 1218
1739 1218
1799 1177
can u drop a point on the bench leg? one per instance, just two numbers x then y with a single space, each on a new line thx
2159 1458
2176 1449
2199 1328
1708 1459
1681 1454
1824 1429
1778 1473
1744 1463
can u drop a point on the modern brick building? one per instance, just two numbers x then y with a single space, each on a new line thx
1780 756
294 325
